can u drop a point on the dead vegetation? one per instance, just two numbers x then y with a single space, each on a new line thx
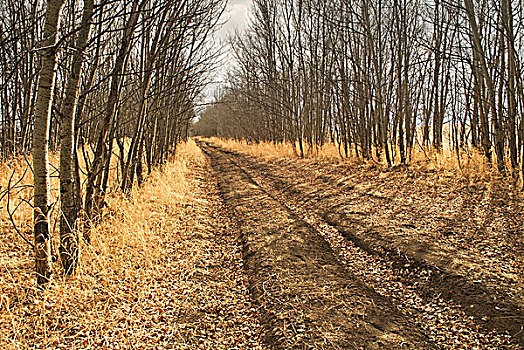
296 253
469 163
164 270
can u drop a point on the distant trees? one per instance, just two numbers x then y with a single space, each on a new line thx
380 77
111 84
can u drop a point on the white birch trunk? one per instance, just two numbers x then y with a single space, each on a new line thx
44 102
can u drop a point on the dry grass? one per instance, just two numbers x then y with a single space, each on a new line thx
471 164
269 150
136 284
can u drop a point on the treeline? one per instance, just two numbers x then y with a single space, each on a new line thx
379 78
97 80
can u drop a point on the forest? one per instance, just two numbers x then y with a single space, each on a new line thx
378 78
332 174
110 74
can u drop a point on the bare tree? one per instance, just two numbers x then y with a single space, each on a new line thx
44 102
69 210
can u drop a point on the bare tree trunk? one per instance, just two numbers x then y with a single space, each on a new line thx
507 18
114 96
69 212
485 80
44 103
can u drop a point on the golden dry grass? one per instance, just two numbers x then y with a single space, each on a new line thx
471 163
269 150
135 286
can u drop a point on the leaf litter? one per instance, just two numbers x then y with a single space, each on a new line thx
388 215
165 271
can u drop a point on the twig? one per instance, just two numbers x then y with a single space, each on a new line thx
11 218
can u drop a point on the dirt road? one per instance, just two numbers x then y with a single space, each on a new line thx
336 261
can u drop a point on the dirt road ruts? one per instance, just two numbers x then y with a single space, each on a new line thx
431 269
306 298
448 306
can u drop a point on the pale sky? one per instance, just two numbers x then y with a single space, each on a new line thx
236 15
234 18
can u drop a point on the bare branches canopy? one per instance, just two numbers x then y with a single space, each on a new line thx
379 78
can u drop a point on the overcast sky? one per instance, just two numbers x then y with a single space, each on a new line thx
234 18
236 15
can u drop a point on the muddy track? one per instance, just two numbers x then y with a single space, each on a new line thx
306 298
441 295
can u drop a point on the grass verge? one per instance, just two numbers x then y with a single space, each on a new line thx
143 283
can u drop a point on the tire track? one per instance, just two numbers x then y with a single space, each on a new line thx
452 308
306 298
392 274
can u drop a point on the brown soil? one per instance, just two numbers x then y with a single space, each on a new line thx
306 298
343 256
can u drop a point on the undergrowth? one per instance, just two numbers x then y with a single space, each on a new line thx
470 163
111 301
